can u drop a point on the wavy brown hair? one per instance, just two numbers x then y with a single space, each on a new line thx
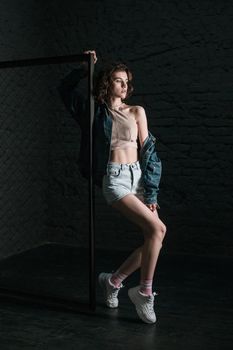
104 79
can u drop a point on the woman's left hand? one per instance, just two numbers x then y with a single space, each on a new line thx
152 207
93 52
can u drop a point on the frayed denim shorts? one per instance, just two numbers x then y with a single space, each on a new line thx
122 179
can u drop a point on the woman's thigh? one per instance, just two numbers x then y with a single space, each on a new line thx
137 212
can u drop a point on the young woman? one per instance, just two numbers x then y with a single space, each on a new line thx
128 169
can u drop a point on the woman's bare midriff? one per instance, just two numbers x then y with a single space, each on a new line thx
124 156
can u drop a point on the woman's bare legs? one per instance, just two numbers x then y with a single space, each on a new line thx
145 257
154 231
132 263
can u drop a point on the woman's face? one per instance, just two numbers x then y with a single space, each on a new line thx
119 84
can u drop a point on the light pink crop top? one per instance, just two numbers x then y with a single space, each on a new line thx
124 130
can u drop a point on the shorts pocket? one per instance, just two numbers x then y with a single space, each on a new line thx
113 171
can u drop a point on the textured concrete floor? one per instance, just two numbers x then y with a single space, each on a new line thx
193 307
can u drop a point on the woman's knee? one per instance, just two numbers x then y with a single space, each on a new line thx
156 230
163 229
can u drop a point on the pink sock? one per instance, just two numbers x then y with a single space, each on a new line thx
117 278
146 287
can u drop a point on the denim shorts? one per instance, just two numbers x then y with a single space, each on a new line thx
122 179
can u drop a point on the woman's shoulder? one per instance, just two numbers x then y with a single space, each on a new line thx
132 107
135 110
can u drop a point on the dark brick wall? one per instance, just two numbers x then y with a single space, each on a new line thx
181 56
68 220
24 162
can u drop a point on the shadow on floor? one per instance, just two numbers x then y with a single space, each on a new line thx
194 305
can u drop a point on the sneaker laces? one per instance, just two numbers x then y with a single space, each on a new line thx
151 302
115 290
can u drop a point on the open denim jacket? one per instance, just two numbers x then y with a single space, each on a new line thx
76 103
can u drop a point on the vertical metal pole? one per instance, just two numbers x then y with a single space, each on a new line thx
45 299
92 279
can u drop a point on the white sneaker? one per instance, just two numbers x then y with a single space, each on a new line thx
110 291
144 304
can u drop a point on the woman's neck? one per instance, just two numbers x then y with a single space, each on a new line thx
114 102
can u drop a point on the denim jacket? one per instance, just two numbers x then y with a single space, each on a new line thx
77 104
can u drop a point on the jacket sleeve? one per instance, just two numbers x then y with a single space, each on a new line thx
74 99
151 178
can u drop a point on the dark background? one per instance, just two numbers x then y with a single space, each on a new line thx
181 56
